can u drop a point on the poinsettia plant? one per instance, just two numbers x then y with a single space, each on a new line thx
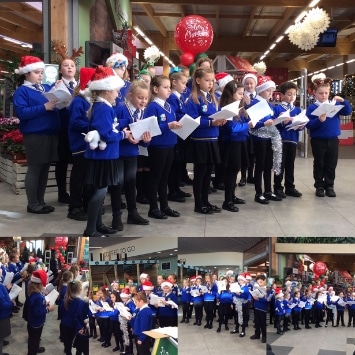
9 123
12 142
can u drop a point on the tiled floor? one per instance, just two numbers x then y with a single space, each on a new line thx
305 216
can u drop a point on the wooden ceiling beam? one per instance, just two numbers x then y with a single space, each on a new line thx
251 19
17 20
20 33
277 3
281 24
216 29
156 20
182 11
29 12
351 38
14 48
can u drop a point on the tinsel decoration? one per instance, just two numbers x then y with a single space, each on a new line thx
260 67
276 144
318 19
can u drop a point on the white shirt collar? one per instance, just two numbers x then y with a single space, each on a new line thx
100 99
159 101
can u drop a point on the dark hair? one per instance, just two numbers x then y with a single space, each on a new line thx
118 297
318 83
157 81
260 277
287 85
73 289
229 90
177 76
141 296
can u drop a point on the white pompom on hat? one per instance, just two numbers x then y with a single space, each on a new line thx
105 79
223 79
39 276
29 63
116 60
249 75
264 82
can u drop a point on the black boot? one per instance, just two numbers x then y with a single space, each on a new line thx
242 334
210 325
236 329
135 218
117 222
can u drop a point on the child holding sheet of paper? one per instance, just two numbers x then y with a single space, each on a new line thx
161 148
130 111
5 314
324 132
233 150
266 141
289 138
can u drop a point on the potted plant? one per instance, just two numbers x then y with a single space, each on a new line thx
12 145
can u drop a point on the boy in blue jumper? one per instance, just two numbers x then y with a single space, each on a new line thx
351 310
279 310
340 309
289 138
260 306
324 132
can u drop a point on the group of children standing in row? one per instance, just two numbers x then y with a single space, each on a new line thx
106 102
309 305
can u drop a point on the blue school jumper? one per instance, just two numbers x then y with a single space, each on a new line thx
122 93
287 136
177 104
37 310
142 323
164 114
279 308
185 296
74 316
6 303
235 131
186 94
29 108
15 269
78 124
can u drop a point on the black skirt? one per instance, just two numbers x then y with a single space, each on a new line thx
40 149
102 173
202 152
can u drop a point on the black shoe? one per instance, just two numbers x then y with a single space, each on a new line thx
19 304
279 193
293 193
308 327
263 340
5 342
187 180
135 218
40 209
100 339
116 223
203 210
261 199
226 327
183 193
255 336
218 329
234 331
206 326
272 197
15 310
195 323
142 200
64 198
78 214
182 321
242 335
176 198
187 321
279 333
242 182
41 350
106 345
219 186
116 349
213 208
320 192
171 213
229 206
330 192
156 214
94 235
250 180
238 201
106 229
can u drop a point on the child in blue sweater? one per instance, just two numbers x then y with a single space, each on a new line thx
129 112
324 132
279 310
225 304
142 322
185 299
204 149
209 299
114 323
340 309
289 138
37 311
351 310
102 165
5 314
39 124
161 148
234 155
79 124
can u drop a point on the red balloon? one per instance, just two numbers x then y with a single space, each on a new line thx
320 268
193 34
187 59
316 277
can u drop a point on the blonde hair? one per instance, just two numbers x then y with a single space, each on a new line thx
34 287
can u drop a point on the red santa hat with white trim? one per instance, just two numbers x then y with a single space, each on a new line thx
167 284
39 276
223 79
143 276
125 293
105 79
278 292
249 75
248 276
241 277
264 82
147 286
29 63
85 76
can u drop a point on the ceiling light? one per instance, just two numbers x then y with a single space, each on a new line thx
332 67
279 39
273 46
139 31
350 61
300 16
313 3
338 65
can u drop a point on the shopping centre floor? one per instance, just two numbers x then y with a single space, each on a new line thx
305 216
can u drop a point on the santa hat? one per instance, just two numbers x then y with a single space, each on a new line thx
39 276
105 79
229 273
166 284
116 60
193 278
264 82
288 283
125 293
247 276
85 76
249 75
278 292
330 288
143 276
198 277
29 63
32 260
223 79
241 277
147 286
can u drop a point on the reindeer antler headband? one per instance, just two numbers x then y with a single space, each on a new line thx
61 49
